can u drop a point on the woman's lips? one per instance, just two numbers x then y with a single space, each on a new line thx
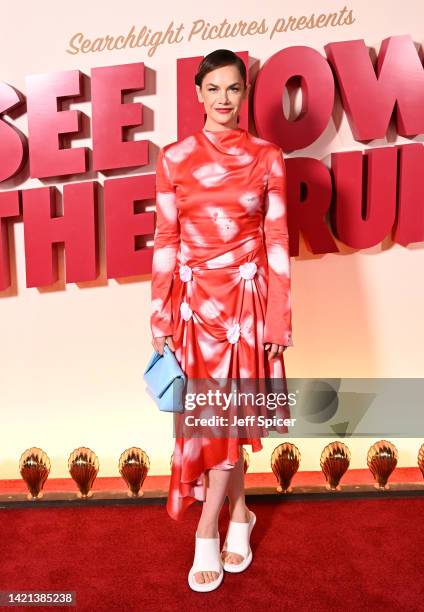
223 110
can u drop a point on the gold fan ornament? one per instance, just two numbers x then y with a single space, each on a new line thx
83 465
134 464
34 466
382 459
334 462
421 459
285 461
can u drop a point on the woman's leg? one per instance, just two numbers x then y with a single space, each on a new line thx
237 503
217 482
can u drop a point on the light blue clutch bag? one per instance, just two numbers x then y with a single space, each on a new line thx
165 381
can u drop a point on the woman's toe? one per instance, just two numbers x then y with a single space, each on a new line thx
205 577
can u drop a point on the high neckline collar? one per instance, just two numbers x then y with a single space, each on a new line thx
227 130
230 141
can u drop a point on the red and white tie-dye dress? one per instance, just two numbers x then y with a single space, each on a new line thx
220 277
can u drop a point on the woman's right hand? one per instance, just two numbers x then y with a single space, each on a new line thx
159 343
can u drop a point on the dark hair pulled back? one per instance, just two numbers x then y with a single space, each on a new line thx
217 59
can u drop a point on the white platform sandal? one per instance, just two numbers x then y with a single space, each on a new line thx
207 558
238 541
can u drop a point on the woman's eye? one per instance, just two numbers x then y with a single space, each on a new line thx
232 88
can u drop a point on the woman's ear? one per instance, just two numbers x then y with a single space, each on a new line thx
199 94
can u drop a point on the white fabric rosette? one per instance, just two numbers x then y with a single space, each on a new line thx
233 333
185 273
186 311
248 270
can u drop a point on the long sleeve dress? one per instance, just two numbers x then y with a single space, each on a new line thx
220 277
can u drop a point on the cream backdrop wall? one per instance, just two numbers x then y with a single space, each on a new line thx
72 356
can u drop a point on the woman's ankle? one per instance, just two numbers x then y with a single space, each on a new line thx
239 512
207 529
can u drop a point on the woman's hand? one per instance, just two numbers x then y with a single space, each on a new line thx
274 349
159 343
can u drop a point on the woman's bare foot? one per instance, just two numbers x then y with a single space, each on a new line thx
207 531
238 516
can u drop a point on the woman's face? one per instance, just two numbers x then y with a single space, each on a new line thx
223 88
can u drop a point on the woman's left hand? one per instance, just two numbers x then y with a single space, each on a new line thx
274 349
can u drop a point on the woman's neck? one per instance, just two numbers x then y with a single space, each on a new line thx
211 126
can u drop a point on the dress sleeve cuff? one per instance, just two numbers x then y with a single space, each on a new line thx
285 339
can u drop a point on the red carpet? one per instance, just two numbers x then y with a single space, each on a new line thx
361 554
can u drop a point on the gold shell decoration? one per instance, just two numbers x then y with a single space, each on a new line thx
382 459
285 461
83 466
133 467
34 466
421 459
334 461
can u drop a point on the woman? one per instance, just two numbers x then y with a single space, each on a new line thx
220 294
